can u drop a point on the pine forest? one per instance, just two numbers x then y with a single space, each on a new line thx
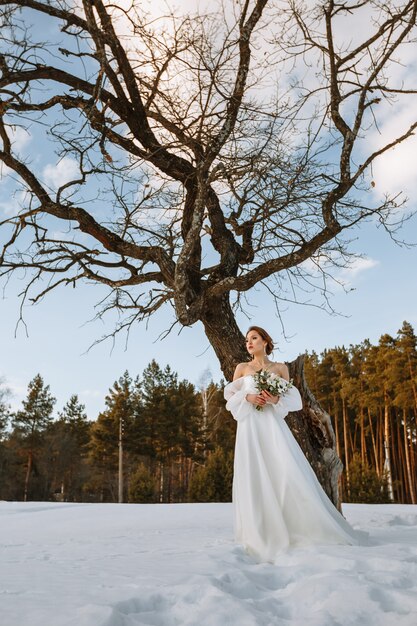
161 439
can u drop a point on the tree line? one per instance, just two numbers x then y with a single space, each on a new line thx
370 391
177 443
161 439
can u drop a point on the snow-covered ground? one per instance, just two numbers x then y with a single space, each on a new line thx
177 564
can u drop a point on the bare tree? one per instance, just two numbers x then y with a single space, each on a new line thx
213 153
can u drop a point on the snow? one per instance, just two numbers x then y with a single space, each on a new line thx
177 564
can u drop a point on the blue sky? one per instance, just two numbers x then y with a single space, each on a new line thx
381 294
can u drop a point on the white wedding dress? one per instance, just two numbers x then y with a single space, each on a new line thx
277 499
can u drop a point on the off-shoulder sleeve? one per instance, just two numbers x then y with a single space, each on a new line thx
235 396
289 401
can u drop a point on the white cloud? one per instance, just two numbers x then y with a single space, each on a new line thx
5 172
395 170
344 276
18 391
60 173
90 393
357 266
15 202
20 137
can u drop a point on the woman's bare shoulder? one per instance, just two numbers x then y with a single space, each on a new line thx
241 370
281 369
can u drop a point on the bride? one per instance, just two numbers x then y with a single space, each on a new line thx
277 499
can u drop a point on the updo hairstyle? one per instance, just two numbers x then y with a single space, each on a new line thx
265 336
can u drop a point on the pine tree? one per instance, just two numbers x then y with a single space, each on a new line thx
142 486
365 484
221 427
407 346
386 374
406 367
31 422
171 427
341 389
65 457
372 395
213 481
109 434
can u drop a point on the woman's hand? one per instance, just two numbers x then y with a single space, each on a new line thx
256 399
269 399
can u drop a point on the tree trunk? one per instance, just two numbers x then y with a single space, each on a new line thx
224 335
387 455
120 472
412 461
161 482
373 442
364 457
312 427
336 425
28 472
407 459
399 476
381 439
346 442
169 480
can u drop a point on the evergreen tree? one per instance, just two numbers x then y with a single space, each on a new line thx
341 388
66 445
373 400
172 425
407 348
385 364
112 429
406 400
213 481
31 422
365 484
142 486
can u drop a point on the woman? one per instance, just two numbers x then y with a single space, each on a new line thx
277 499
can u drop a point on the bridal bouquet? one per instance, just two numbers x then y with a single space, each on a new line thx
268 381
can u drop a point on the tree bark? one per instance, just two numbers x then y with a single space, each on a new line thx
412 462
312 427
346 442
28 472
387 455
374 447
407 459
224 334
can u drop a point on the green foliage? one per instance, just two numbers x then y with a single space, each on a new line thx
142 486
65 451
30 424
221 427
36 414
213 481
104 440
365 485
